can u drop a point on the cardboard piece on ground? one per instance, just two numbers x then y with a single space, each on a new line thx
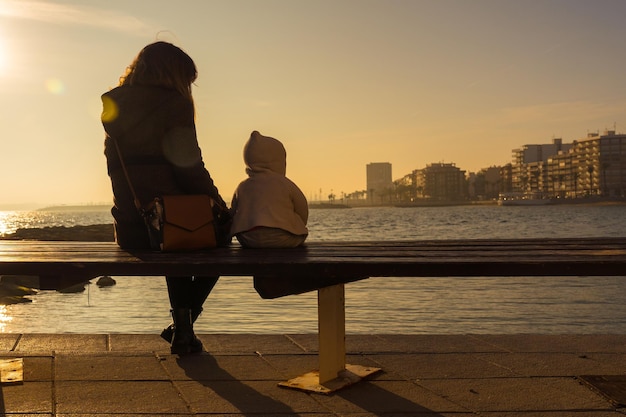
11 371
310 381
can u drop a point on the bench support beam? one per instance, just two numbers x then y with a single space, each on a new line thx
333 373
331 313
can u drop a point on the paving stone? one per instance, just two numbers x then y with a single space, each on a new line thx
417 344
246 397
37 369
63 343
108 368
29 397
288 414
31 415
137 343
290 366
123 415
517 394
8 341
219 368
547 413
241 343
568 343
447 365
116 397
404 343
557 364
445 343
308 343
393 397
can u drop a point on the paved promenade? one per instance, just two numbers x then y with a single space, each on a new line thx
423 375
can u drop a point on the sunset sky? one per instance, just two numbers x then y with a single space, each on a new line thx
341 83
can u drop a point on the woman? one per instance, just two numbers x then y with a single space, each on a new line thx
150 116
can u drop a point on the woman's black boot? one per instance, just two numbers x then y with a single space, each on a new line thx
168 333
183 332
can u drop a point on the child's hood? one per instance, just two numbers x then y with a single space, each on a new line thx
263 154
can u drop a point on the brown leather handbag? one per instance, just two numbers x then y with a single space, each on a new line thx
181 222
178 223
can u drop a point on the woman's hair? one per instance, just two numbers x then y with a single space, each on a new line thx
162 64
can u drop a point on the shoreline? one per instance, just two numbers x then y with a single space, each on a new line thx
90 233
104 232
315 205
77 207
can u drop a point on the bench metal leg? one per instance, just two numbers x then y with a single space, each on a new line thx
333 373
331 313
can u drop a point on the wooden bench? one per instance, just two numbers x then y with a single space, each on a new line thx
326 267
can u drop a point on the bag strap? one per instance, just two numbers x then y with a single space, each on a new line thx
119 153
123 165
130 184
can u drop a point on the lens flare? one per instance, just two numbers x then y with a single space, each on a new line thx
55 86
109 109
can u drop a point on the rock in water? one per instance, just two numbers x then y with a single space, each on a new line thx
90 233
80 287
105 281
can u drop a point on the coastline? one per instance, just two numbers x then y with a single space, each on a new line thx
90 233
103 231
77 207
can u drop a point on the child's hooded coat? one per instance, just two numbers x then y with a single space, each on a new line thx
267 198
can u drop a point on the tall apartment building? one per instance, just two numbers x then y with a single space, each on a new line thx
528 163
379 182
443 182
594 165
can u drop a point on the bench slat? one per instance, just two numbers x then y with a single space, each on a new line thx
337 259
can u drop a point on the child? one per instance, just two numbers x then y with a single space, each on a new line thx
269 210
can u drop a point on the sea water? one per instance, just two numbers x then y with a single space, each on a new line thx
376 305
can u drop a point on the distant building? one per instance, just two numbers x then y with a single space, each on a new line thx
595 165
506 178
379 182
443 182
528 161
592 166
486 184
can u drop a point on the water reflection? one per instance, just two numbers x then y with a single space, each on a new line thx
4 222
5 318
10 221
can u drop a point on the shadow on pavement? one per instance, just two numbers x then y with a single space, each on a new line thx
374 399
247 400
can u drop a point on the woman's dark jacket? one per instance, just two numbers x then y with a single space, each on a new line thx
155 130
